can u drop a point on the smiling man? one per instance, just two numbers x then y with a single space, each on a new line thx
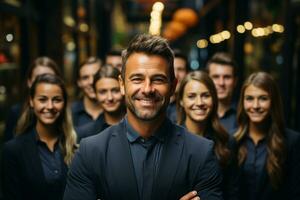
145 156
222 70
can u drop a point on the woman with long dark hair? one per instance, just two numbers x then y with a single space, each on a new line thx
35 163
268 153
197 105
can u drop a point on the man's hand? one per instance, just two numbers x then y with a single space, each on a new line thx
190 196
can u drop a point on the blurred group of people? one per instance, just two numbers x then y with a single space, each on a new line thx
254 155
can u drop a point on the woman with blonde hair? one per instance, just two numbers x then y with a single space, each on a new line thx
35 163
197 106
268 153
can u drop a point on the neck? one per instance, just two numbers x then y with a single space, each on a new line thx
47 134
114 118
257 131
92 107
224 106
195 127
144 128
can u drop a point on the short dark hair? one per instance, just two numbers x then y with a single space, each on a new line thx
114 52
151 45
106 71
88 61
222 58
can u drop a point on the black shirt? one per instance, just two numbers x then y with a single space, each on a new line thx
91 128
145 155
79 114
171 112
253 167
229 119
51 161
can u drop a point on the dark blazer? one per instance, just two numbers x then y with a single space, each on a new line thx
103 167
22 171
11 122
290 188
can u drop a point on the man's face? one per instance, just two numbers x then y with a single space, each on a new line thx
179 69
115 61
86 78
147 86
224 80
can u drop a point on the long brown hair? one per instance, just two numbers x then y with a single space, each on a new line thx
275 125
213 126
64 123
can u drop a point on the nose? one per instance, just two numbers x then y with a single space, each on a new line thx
91 80
221 81
109 96
148 88
199 101
49 105
256 103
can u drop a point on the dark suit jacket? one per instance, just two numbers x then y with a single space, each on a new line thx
290 188
22 171
103 167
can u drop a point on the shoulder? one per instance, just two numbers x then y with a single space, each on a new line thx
101 139
193 143
77 106
16 144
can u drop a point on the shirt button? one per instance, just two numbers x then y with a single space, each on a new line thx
56 171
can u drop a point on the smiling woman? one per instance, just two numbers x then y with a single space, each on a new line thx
35 163
197 106
268 153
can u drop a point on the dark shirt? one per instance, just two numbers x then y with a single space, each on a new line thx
145 155
253 167
91 128
171 112
229 119
51 161
79 114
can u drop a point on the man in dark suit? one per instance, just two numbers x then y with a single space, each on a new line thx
145 156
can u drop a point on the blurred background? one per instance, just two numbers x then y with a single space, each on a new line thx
260 34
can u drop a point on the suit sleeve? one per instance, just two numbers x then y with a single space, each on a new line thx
209 178
11 173
80 184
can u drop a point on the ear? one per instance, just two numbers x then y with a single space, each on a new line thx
181 103
79 83
29 83
122 85
31 102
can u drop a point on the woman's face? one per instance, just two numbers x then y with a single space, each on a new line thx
48 103
109 95
257 104
196 101
39 70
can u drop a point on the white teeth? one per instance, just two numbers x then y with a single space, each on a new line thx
147 102
200 111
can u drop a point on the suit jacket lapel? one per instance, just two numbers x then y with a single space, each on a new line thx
169 163
121 165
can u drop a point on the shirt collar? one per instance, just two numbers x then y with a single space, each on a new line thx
160 134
